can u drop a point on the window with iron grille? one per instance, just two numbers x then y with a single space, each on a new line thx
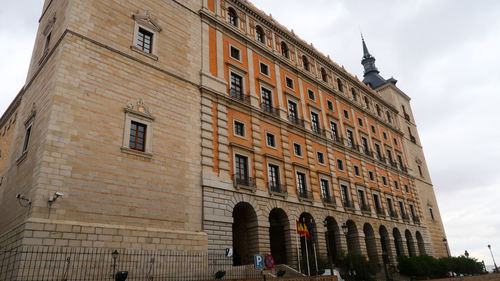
345 193
329 104
301 183
325 188
145 40
292 110
264 68
267 101
350 138
315 122
236 86
333 127
232 17
274 175
239 128
297 149
361 195
376 201
235 53
137 136
270 140
321 157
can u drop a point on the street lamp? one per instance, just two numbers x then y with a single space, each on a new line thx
328 251
494 263
445 241
115 256
345 229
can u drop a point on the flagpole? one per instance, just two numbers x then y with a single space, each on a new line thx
307 252
298 253
315 257
313 239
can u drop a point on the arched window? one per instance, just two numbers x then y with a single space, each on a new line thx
232 17
354 94
284 50
324 76
305 62
378 110
367 103
339 85
259 34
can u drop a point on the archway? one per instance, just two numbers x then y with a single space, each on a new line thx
278 227
385 242
371 243
420 243
245 236
333 238
353 243
398 242
410 243
311 243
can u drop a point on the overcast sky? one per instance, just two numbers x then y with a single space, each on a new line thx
446 56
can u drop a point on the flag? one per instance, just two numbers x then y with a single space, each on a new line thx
302 229
313 235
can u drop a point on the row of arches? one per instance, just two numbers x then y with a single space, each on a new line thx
281 241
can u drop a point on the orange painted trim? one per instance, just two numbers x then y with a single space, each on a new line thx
215 135
212 50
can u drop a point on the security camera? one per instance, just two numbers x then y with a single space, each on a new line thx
58 194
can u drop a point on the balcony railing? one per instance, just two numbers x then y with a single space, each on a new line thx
416 219
367 151
239 96
328 199
279 189
338 139
352 145
380 211
381 158
347 204
269 109
297 121
305 194
407 117
405 216
393 214
413 139
318 131
403 168
393 164
365 208
243 181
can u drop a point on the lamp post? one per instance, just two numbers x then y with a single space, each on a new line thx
115 256
445 241
328 252
494 263
345 229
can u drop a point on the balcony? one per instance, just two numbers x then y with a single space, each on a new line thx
365 208
318 131
277 189
296 121
271 110
337 139
380 212
405 216
393 164
239 96
380 157
367 152
393 214
352 145
347 204
243 181
306 195
327 199
404 168
413 139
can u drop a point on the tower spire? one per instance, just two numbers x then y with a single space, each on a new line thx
368 61
366 54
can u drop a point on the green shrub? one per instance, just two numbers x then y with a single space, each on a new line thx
424 267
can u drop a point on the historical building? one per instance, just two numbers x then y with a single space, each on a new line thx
203 125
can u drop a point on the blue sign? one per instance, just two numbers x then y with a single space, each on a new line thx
229 252
258 261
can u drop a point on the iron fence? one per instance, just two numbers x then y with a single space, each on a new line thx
81 264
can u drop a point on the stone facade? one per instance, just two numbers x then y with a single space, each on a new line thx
217 81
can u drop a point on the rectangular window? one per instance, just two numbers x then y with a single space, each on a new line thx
289 82
27 136
389 205
270 140
362 201
401 208
364 142
292 111
407 189
396 184
325 188
376 201
297 149
384 180
350 139
267 101
137 136
235 53
360 122
236 86
384 135
420 171
371 176
340 165
264 69
241 166
145 40
301 183
379 153
431 213
373 129
400 160
310 94
412 211
345 194
274 176
389 155
315 122
346 114
329 104
356 171
239 128
333 127
321 157
395 141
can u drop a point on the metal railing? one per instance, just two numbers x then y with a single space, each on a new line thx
367 151
416 219
327 198
277 188
44 263
380 211
305 194
393 164
338 139
297 121
347 204
239 96
393 214
404 168
405 216
318 131
269 109
243 181
365 208
380 157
